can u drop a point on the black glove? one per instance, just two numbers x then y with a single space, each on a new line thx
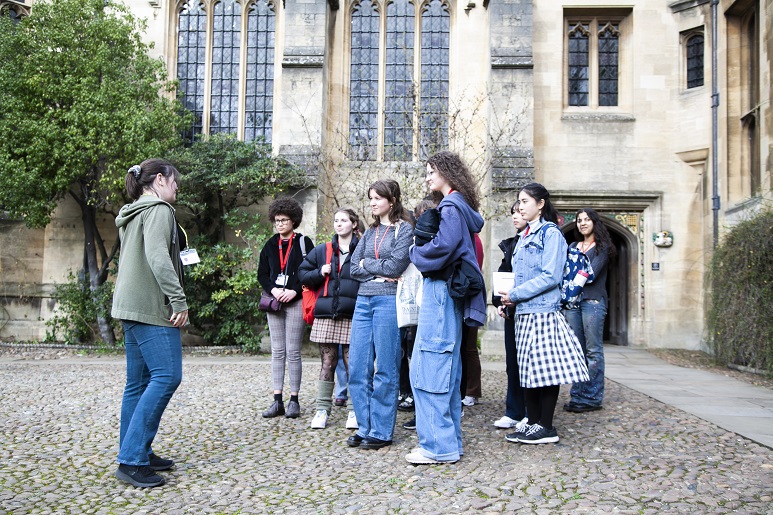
427 226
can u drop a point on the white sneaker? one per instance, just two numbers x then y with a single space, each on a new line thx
470 401
520 426
417 458
506 422
351 421
320 419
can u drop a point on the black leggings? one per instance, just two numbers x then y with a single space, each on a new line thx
541 403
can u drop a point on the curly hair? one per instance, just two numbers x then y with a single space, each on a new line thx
600 232
390 189
287 206
451 167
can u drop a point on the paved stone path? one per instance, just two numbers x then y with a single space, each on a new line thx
59 423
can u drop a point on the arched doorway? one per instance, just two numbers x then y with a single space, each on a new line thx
621 278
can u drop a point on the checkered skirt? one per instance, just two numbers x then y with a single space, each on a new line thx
328 330
549 353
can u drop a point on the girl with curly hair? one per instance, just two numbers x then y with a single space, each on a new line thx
280 259
436 367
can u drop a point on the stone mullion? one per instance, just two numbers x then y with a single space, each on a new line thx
210 10
417 48
381 122
242 103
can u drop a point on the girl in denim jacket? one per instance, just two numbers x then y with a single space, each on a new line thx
549 353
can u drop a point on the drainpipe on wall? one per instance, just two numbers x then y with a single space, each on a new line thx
714 122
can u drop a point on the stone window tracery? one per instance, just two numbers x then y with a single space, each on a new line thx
593 59
398 78
225 93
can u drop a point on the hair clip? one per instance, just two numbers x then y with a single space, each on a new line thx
136 170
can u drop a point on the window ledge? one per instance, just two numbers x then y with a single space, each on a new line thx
598 117
683 5
516 62
302 61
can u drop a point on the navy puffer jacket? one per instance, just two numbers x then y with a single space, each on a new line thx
341 290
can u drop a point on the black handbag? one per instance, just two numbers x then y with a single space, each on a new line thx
269 303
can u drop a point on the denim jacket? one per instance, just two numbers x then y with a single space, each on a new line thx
539 267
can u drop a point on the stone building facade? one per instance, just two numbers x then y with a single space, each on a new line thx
608 104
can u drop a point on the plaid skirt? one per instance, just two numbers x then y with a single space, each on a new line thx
548 351
327 330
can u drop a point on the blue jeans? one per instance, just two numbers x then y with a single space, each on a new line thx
342 376
374 365
587 322
154 369
436 373
515 403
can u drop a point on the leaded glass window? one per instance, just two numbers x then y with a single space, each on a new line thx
435 30
239 94
695 51
593 61
579 51
13 12
224 113
363 99
260 71
609 49
191 58
407 64
399 102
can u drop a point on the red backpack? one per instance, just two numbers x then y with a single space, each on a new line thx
310 297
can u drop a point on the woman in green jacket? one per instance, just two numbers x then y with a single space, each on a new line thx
150 302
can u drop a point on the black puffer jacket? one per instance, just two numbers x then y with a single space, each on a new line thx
341 290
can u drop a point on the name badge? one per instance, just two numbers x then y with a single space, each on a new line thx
189 257
281 280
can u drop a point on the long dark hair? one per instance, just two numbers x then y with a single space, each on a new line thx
453 170
600 232
140 177
390 189
538 192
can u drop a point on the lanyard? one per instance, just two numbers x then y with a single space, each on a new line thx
185 234
283 260
377 244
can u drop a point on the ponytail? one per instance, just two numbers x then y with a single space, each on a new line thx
141 177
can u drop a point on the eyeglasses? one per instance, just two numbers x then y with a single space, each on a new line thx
280 221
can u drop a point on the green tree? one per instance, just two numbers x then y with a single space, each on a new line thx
224 181
80 101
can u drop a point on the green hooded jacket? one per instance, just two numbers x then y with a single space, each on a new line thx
149 284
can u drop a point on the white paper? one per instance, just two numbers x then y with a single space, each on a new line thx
503 281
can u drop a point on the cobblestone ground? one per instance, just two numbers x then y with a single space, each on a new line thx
59 423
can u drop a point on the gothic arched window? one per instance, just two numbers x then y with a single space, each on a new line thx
695 61
398 103
593 60
224 93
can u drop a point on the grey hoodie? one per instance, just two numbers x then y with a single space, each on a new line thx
149 284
